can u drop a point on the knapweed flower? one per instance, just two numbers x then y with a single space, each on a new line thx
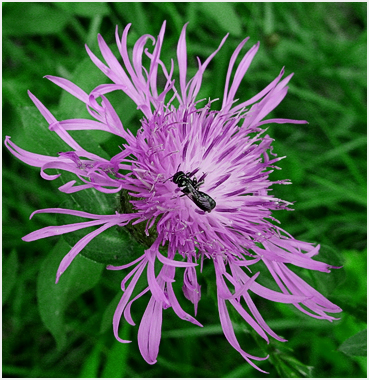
199 181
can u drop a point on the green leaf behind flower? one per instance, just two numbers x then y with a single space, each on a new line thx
53 299
122 249
36 136
356 345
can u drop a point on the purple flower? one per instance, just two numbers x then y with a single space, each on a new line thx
225 157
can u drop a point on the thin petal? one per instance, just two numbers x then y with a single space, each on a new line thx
67 85
149 332
68 258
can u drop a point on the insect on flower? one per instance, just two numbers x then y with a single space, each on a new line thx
190 187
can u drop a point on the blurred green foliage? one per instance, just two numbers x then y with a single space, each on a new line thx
324 44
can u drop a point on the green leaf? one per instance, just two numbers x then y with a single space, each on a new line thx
224 15
84 9
33 19
37 137
53 299
14 91
10 270
356 345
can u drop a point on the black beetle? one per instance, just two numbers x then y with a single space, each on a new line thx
190 187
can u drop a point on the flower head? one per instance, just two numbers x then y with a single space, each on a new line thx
199 181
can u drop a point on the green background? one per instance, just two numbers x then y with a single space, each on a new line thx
67 332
